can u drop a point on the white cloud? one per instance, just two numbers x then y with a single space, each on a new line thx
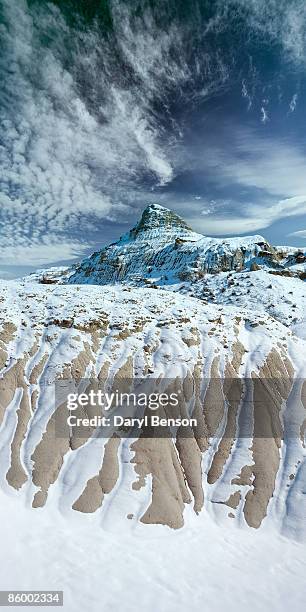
264 115
293 103
252 161
299 234
40 254
254 217
246 94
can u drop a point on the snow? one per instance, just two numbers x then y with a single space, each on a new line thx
149 567
283 298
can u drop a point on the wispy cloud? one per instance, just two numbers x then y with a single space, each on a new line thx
253 217
264 115
262 176
298 234
293 103
272 165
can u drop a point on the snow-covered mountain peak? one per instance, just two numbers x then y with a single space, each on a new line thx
163 249
156 217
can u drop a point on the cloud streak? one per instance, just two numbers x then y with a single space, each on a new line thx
255 218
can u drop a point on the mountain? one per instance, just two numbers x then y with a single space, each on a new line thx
164 251
220 322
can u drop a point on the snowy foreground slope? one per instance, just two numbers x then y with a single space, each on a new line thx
228 506
68 332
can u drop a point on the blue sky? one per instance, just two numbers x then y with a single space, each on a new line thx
198 106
